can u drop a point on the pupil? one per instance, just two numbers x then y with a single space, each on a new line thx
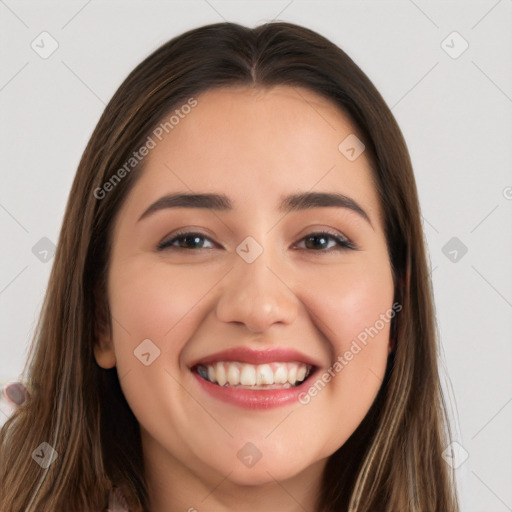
321 237
190 240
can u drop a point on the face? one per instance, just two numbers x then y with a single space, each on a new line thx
256 293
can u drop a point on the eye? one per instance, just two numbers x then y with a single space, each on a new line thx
189 240
316 241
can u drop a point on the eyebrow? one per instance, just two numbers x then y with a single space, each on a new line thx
293 202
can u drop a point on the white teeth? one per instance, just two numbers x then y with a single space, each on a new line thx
220 374
248 375
233 375
264 375
275 374
301 373
281 375
292 375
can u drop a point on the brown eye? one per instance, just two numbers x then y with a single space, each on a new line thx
186 240
319 242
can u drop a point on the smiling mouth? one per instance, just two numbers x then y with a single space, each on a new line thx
268 376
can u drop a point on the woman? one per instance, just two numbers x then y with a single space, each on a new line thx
239 316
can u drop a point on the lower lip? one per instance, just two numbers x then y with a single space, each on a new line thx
253 399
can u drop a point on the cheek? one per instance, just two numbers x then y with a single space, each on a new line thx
349 301
152 302
353 308
149 300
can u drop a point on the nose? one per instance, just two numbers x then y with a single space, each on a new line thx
257 296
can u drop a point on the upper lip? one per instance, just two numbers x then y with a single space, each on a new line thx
255 356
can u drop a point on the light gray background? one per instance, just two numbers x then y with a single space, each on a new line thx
455 114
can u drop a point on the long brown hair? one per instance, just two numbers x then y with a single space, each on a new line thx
392 462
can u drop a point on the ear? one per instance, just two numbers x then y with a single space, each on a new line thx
104 353
391 346
103 347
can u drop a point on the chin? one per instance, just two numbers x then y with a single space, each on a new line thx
261 475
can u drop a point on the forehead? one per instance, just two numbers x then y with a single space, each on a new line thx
255 145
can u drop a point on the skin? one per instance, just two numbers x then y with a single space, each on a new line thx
253 145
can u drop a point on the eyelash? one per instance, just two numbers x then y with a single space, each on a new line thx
342 243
